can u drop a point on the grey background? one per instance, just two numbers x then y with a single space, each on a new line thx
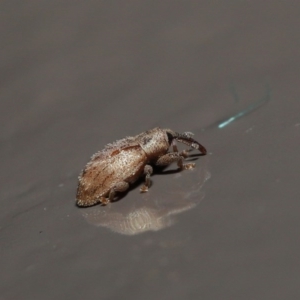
76 75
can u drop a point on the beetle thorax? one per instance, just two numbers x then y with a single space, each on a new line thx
154 142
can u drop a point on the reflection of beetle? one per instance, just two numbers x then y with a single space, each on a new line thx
123 162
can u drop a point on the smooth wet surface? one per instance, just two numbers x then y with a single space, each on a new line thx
76 76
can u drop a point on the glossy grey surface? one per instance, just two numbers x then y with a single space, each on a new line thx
78 75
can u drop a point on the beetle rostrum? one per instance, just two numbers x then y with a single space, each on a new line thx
123 162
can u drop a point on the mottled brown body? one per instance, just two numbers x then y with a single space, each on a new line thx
123 162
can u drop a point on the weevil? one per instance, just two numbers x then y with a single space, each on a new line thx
123 162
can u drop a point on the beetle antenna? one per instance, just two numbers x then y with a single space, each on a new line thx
186 138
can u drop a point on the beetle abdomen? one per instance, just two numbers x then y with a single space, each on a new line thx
106 169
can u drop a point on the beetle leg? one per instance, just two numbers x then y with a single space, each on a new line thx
185 138
148 170
119 187
175 148
104 200
171 157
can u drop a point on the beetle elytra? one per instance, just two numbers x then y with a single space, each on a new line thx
124 161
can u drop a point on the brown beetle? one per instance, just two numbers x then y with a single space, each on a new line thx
123 162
